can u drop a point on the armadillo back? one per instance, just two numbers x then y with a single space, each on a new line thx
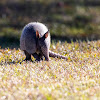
28 39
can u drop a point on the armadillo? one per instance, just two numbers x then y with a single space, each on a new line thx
35 40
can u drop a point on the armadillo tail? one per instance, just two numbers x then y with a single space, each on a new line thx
52 54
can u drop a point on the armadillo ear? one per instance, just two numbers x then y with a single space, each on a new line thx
46 34
37 34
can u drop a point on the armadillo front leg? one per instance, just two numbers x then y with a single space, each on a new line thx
28 56
36 56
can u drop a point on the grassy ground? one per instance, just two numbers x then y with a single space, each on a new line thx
71 27
78 78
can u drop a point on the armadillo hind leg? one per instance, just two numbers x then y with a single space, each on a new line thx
28 56
37 57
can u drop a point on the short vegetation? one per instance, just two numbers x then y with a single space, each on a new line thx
78 78
75 33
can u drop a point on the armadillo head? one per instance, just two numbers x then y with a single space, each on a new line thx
44 44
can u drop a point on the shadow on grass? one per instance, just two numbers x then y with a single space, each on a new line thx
70 39
12 62
16 62
9 42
